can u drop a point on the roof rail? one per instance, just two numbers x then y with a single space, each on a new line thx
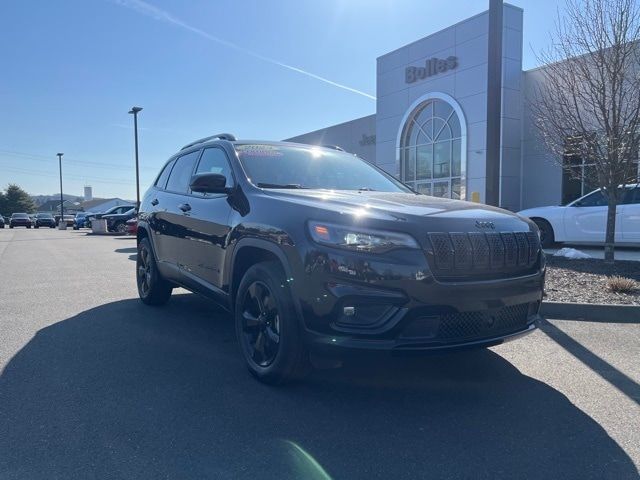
221 136
333 147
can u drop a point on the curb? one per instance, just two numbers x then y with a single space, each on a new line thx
591 312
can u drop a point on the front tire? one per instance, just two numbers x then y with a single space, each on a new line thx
267 326
547 236
152 287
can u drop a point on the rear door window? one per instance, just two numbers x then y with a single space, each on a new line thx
180 176
161 182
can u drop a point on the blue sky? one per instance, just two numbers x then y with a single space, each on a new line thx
71 69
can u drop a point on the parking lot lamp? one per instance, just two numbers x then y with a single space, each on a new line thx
61 199
134 111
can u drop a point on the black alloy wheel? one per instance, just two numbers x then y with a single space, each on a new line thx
267 326
260 324
152 288
120 227
144 272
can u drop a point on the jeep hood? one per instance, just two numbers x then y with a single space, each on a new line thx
397 206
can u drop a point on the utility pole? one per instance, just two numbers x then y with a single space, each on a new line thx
134 111
61 198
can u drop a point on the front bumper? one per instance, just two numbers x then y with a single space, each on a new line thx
393 303
344 345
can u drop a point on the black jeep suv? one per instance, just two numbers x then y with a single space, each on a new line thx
316 251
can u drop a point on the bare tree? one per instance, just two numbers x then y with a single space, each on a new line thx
587 105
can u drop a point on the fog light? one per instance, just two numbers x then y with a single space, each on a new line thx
349 311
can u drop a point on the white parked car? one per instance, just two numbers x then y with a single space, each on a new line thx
584 220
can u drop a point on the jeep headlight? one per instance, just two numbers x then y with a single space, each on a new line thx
359 239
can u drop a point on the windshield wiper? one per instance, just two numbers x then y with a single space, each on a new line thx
278 185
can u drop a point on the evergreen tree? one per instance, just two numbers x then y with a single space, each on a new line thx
15 200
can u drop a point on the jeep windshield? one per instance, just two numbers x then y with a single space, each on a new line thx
292 167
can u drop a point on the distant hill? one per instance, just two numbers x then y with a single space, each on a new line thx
40 199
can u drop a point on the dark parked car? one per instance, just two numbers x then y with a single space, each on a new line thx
117 210
20 220
1 221
117 222
316 251
45 220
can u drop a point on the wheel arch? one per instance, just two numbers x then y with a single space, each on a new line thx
248 252
554 229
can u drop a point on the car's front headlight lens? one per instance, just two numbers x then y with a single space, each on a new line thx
359 239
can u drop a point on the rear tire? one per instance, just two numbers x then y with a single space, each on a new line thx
547 236
152 287
36 226
120 227
267 326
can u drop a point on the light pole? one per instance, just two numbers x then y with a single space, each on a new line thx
61 199
134 111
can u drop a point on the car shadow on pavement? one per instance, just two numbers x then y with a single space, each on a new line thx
126 250
129 391
132 250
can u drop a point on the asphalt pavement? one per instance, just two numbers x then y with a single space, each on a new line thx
94 384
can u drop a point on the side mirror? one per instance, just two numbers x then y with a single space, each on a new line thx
209 183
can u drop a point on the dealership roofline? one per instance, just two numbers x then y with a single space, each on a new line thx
447 28
331 126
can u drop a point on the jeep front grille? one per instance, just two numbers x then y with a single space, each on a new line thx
480 254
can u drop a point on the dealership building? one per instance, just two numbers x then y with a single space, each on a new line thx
452 120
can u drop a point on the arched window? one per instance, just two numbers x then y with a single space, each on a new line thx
431 150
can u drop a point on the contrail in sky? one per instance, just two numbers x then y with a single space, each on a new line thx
156 13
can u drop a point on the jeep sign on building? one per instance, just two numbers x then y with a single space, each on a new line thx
451 117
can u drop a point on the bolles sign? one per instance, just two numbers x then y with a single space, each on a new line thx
433 66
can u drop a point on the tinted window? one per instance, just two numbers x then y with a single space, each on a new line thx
272 165
181 173
596 199
214 160
632 196
161 182
20 215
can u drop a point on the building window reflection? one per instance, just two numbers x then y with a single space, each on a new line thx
431 150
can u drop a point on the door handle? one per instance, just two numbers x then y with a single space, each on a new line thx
154 202
185 207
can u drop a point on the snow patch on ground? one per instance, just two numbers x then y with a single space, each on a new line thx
571 253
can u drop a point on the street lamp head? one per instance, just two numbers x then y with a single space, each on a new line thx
59 154
135 110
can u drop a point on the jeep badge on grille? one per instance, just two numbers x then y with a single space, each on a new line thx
480 224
